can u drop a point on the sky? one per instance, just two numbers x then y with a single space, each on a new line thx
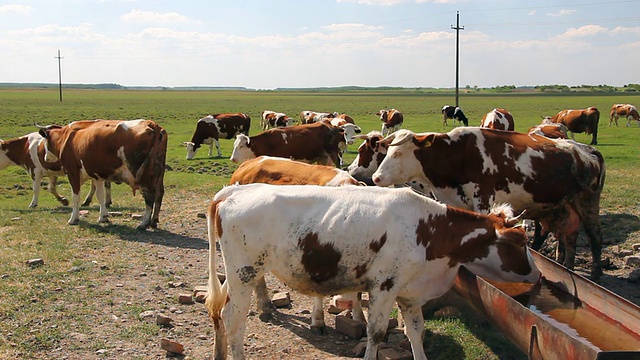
268 44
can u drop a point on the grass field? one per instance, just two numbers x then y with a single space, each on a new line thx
43 232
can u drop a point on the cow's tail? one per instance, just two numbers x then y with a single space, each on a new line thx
216 292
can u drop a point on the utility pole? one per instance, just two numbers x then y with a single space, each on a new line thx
457 28
59 74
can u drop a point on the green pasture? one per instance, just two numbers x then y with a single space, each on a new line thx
42 232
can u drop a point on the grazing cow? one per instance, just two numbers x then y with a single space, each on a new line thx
395 244
28 152
550 130
281 171
391 120
346 118
211 128
350 129
455 113
133 152
271 119
625 110
507 167
317 142
578 121
498 119
308 116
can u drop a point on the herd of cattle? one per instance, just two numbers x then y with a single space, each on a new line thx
348 239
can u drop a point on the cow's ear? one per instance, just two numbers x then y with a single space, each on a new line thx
44 133
423 140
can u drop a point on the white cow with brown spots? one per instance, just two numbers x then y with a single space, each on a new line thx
393 243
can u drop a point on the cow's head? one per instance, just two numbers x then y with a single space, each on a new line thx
4 156
401 164
508 258
51 149
241 149
383 114
350 131
191 149
370 155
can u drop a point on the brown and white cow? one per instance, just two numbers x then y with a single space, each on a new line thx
271 119
309 116
211 128
28 152
498 119
391 120
395 244
556 182
281 171
579 121
313 143
550 130
132 151
627 111
455 113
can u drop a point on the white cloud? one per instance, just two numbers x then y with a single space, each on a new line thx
584 31
153 17
15 9
374 2
563 12
351 27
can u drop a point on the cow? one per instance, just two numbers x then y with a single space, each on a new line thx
625 110
578 121
28 152
348 119
281 171
308 116
553 181
271 119
131 151
550 130
499 119
317 142
455 113
393 243
391 120
211 128
350 129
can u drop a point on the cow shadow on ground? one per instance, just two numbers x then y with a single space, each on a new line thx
616 227
333 342
155 236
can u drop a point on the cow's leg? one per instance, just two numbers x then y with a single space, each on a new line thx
217 147
220 342
74 181
89 197
149 202
263 300
37 178
414 328
234 315
539 235
317 316
573 137
380 304
53 188
107 193
104 213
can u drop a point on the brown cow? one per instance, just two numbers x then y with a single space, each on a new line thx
550 130
309 116
498 119
317 142
271 119
578 121
628 111
211 128
391 120
28 152
133 152
507 167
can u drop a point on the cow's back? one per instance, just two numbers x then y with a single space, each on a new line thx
281 171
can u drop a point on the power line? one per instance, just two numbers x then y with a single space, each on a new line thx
457 28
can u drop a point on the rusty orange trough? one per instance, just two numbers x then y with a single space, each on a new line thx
564 317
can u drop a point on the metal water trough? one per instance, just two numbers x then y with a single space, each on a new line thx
565 317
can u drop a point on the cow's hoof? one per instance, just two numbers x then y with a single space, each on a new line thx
73 222
319 330
104 221
142 227
265 316
32 206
